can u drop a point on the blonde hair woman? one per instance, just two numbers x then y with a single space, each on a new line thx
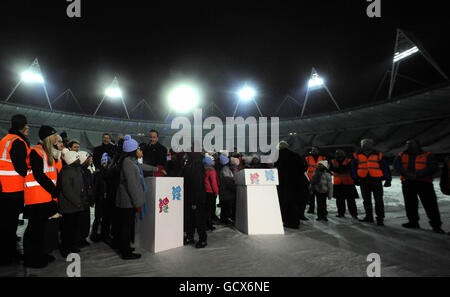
40 198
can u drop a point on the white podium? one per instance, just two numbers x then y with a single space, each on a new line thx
257 205
162 226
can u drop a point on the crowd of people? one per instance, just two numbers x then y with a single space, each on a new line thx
55 185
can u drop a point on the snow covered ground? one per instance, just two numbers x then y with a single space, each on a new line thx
338 247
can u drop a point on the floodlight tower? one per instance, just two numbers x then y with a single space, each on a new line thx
315 82
404 48
113 91
183 98
32 75
247 94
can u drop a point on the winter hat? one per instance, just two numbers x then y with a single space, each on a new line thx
46 131
83 156
64 134
207 161
324 163
282 145
70 157
18 121
224 160
224 152
129 144
105 158
234 161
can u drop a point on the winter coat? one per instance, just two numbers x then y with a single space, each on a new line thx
194 181
155 154
322 182
130 193
227 186
211 180
72 191
88 187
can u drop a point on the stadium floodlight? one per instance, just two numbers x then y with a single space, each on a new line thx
184 98
247 93
30 76
400 56
315 82
113 92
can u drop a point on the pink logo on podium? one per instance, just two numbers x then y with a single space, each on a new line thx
164 205
254 178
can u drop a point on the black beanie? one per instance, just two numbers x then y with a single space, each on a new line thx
46 131
63 134
18 121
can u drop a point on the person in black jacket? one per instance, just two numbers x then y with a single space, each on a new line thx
88 201
444 182
105 147
194 200
227 190
11 203
155 153
293 186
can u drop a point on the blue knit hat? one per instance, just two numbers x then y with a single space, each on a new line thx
224 160
105 158
129 144
207 161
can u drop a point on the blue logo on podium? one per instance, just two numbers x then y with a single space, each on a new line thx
176 193
270 175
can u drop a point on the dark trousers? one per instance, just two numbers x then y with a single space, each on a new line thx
210 208
103 217
351 205
196 219
125 222
84 223
70 231
312 201
303 201
11 205
227 209
412 190
34 237
322 205
375 187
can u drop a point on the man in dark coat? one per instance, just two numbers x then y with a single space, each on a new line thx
292 187
105 147
194 199
155 153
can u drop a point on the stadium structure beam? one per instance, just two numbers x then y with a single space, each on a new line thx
114 84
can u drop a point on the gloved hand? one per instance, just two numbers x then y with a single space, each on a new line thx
139 209
387 183
55 216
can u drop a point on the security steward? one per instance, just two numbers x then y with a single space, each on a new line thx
369 169
14 149
416 168
40 195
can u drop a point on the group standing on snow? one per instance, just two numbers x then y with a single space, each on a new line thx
55 185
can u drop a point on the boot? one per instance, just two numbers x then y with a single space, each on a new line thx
411 225
201 244
367 220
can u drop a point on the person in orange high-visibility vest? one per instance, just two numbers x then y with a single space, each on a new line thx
312 161
369 169
14 148
40 195
416 168
343 185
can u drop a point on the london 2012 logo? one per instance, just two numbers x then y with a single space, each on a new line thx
164 205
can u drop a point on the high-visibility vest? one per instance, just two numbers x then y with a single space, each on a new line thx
343 177
312 164
369 165
34 193
58 165
421 163
10 180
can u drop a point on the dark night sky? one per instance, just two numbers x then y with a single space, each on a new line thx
220 45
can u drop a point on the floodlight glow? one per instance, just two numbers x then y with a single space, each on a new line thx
183 98
29 76
399 56
315 81
246 93
113 92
